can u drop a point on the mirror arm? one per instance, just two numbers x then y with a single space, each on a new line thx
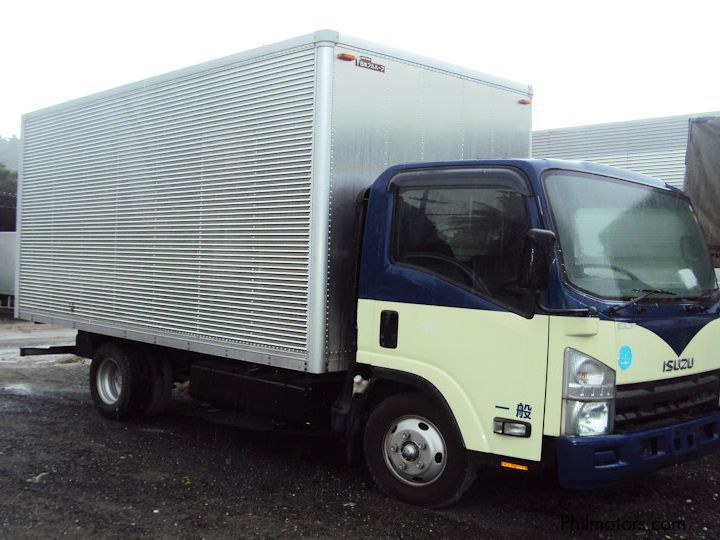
588 311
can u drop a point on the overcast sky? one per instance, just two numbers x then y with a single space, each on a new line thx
588 61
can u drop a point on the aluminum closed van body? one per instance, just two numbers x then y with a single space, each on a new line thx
212 209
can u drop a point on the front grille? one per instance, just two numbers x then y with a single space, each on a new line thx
657 403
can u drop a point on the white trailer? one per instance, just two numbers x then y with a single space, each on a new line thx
212 209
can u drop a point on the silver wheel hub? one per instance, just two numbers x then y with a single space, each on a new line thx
415 451
109 381
410 451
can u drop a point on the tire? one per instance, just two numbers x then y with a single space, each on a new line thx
415 453
161 385
118 382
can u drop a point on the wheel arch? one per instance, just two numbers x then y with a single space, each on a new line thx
87 343
420 419
386 382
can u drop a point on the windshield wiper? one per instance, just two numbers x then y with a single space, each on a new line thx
645 293
702 302
708 294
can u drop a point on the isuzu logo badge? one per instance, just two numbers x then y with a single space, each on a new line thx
676 365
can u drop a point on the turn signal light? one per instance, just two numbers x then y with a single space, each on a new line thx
515 466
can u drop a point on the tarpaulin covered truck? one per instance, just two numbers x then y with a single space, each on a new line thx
304 232
702 177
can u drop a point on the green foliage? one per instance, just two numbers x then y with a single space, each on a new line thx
9 153
8 199
8 180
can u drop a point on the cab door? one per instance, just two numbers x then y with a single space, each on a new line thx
439 298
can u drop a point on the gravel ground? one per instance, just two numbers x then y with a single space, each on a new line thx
199 473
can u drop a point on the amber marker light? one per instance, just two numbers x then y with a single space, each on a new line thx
515 466
525 101
347 57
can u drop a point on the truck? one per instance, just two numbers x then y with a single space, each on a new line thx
702 177
351 239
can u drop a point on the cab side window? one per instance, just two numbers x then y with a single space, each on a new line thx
471 236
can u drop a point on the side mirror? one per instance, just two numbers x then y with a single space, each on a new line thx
537 257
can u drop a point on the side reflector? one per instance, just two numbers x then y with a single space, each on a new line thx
525 101
347 57
515 466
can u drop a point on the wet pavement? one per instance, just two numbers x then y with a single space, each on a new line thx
197 472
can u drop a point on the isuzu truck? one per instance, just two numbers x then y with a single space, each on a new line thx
345 237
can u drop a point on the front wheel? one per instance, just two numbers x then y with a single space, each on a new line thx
415 453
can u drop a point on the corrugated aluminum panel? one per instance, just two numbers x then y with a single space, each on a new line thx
212 208
408 112
655 146
179 208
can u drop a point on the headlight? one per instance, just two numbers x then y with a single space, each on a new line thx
586 378
588 395
588 417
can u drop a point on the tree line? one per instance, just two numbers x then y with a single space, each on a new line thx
9 150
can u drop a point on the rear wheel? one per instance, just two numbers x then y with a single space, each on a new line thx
415 452
118 382
161 385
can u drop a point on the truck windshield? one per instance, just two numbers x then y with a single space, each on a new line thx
617 237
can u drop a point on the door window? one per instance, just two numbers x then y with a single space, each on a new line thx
469 235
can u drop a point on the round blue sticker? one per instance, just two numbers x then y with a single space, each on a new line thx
625 357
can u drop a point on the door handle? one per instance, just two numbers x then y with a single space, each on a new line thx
389 329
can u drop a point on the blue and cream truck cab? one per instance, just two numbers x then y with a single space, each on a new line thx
229 228
552 314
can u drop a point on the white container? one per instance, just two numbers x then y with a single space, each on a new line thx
212 209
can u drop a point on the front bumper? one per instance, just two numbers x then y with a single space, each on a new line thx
592 462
